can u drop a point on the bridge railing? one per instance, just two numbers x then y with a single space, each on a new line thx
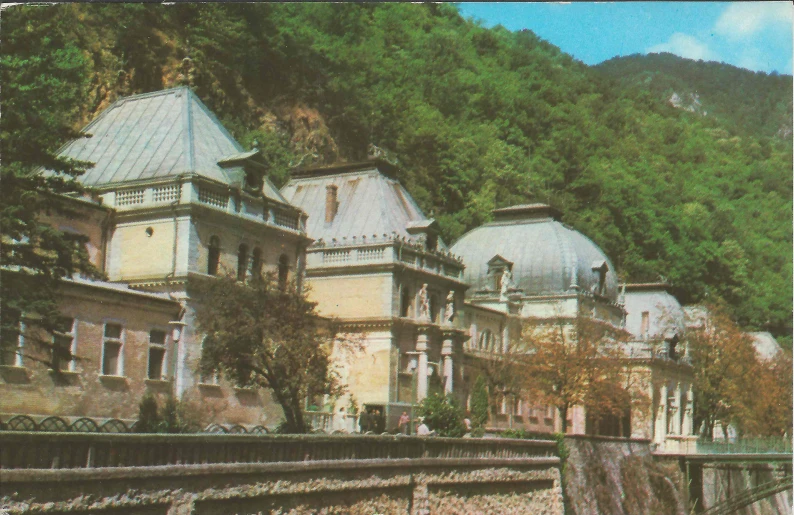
71 450
745 446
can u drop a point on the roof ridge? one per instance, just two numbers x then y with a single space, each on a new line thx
148 94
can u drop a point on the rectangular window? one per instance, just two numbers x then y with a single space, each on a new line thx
156 354
112 357
63 344
13 342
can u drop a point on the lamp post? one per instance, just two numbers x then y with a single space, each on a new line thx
413 364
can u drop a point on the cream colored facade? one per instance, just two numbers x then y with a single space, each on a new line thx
190 204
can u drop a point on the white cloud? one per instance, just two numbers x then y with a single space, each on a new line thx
744 19
684 45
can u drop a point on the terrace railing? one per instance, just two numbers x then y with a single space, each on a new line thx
28 450
745 446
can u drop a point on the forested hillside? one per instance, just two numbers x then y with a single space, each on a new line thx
746 103
477 118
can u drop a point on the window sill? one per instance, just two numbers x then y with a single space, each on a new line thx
210 386
65 373
157 382
112 379
14 374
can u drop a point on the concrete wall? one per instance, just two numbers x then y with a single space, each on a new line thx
422 486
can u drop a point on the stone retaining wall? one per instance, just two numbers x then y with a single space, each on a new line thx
396 486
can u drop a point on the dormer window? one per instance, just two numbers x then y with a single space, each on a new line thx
497 266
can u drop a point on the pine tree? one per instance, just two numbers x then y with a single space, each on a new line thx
44 77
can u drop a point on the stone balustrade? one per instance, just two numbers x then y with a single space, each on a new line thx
215 197
23 450
382 250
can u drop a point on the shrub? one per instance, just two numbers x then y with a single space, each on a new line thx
148 416
479 403
443 415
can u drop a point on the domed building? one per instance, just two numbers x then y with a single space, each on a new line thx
527 256
526 267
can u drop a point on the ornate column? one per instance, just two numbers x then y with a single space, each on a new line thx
676 410
421 369
687 428
446 354
661 419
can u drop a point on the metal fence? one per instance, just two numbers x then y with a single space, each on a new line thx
56 424
769 445
37 450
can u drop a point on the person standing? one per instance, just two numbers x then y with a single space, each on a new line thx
405 423
422 429
340 421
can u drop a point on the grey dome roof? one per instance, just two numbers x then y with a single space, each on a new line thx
547 256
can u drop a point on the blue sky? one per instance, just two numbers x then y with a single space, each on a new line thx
752 35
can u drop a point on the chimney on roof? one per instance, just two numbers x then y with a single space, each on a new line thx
331 203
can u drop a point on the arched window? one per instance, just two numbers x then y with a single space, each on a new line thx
256 263
214 255
405 302
486 338
283 272
242 262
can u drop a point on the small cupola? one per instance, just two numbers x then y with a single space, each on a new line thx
526 212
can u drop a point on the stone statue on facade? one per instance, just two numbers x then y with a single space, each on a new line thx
424 304
507 282
449 310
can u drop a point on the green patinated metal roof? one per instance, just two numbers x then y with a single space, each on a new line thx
156 135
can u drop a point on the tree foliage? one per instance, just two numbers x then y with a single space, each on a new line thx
732 385
259 335
44 74
577 362
479 403
443 415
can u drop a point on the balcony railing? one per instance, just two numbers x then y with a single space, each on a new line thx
368 251
770 445
19 450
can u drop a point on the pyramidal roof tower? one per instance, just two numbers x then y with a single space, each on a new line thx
158 135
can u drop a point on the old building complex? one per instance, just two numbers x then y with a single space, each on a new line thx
179 200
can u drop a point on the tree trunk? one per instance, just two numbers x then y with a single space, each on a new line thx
563 419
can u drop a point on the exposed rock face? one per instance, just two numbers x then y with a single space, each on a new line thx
616 477
689 102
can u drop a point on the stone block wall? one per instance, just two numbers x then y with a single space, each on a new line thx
418 487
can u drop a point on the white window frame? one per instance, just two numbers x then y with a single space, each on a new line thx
72 367
121 341
164 347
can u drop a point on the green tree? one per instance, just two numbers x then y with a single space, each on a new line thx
44 75
442 414
258 334
149 420
479 403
